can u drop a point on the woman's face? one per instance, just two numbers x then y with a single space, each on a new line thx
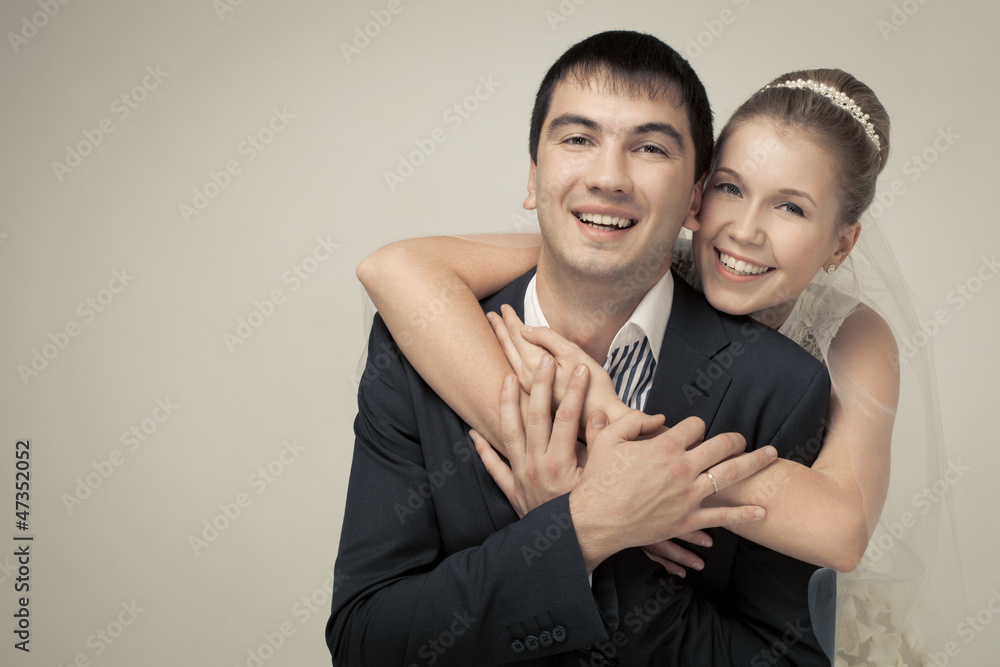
768 221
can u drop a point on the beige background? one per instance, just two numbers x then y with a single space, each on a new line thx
343 121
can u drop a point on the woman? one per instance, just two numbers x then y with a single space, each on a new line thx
796 166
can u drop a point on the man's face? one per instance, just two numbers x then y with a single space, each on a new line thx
613 184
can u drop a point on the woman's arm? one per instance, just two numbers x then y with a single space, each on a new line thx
427 292
826 514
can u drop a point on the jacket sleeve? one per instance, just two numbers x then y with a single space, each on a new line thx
399 596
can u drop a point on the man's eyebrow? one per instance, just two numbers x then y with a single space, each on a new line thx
666 129
571 119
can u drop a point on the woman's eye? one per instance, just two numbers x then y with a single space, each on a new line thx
728 189
794 209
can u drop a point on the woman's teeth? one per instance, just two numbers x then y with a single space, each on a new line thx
739 267
604 221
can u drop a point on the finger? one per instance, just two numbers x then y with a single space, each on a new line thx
528 355
699 537
566 423
670 566
539 425
629 426
512 322
511 430
653 426
674 552
689 432
740 467
597 422
495 466
716 517
717 449
553 342
503 337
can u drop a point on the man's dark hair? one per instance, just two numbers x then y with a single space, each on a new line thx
633 64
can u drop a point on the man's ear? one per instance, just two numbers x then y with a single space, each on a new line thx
691 221
846 239
530 202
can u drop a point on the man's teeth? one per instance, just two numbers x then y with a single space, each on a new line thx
739 267
599 220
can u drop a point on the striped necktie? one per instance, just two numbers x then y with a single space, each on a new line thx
631 369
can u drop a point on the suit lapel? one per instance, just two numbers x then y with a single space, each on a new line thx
688 382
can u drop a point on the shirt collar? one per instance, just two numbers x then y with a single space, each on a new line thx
649 318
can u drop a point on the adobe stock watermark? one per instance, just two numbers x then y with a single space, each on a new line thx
432 650
779 648
713 29
104 637
318 601
967 630
525 221
604 653
899 17
888 534
30 25
88 310
418 496
223 7
132 440
545 538
247 150
365 34
265 308
910 344
419 320
230 511
562 12
121 108
914 169
455 116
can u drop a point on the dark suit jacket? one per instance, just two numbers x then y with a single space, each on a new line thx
434 567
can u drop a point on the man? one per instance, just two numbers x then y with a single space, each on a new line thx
434 565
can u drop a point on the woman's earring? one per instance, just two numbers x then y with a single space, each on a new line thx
831 268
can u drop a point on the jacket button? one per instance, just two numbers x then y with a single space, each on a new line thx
531 641
559 633
545 637
517 646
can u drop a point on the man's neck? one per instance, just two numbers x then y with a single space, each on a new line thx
586 312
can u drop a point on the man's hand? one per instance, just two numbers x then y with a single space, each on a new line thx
546 461
637 491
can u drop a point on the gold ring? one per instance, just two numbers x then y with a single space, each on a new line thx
714 482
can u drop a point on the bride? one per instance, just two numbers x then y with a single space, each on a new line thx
795 169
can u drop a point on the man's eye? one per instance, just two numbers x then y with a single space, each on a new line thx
653 150
577 141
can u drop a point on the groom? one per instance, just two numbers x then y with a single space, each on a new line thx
435 568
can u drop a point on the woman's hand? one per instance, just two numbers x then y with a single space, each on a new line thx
674 558
546 460
524 347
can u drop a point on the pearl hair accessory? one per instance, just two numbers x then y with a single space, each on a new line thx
838 98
